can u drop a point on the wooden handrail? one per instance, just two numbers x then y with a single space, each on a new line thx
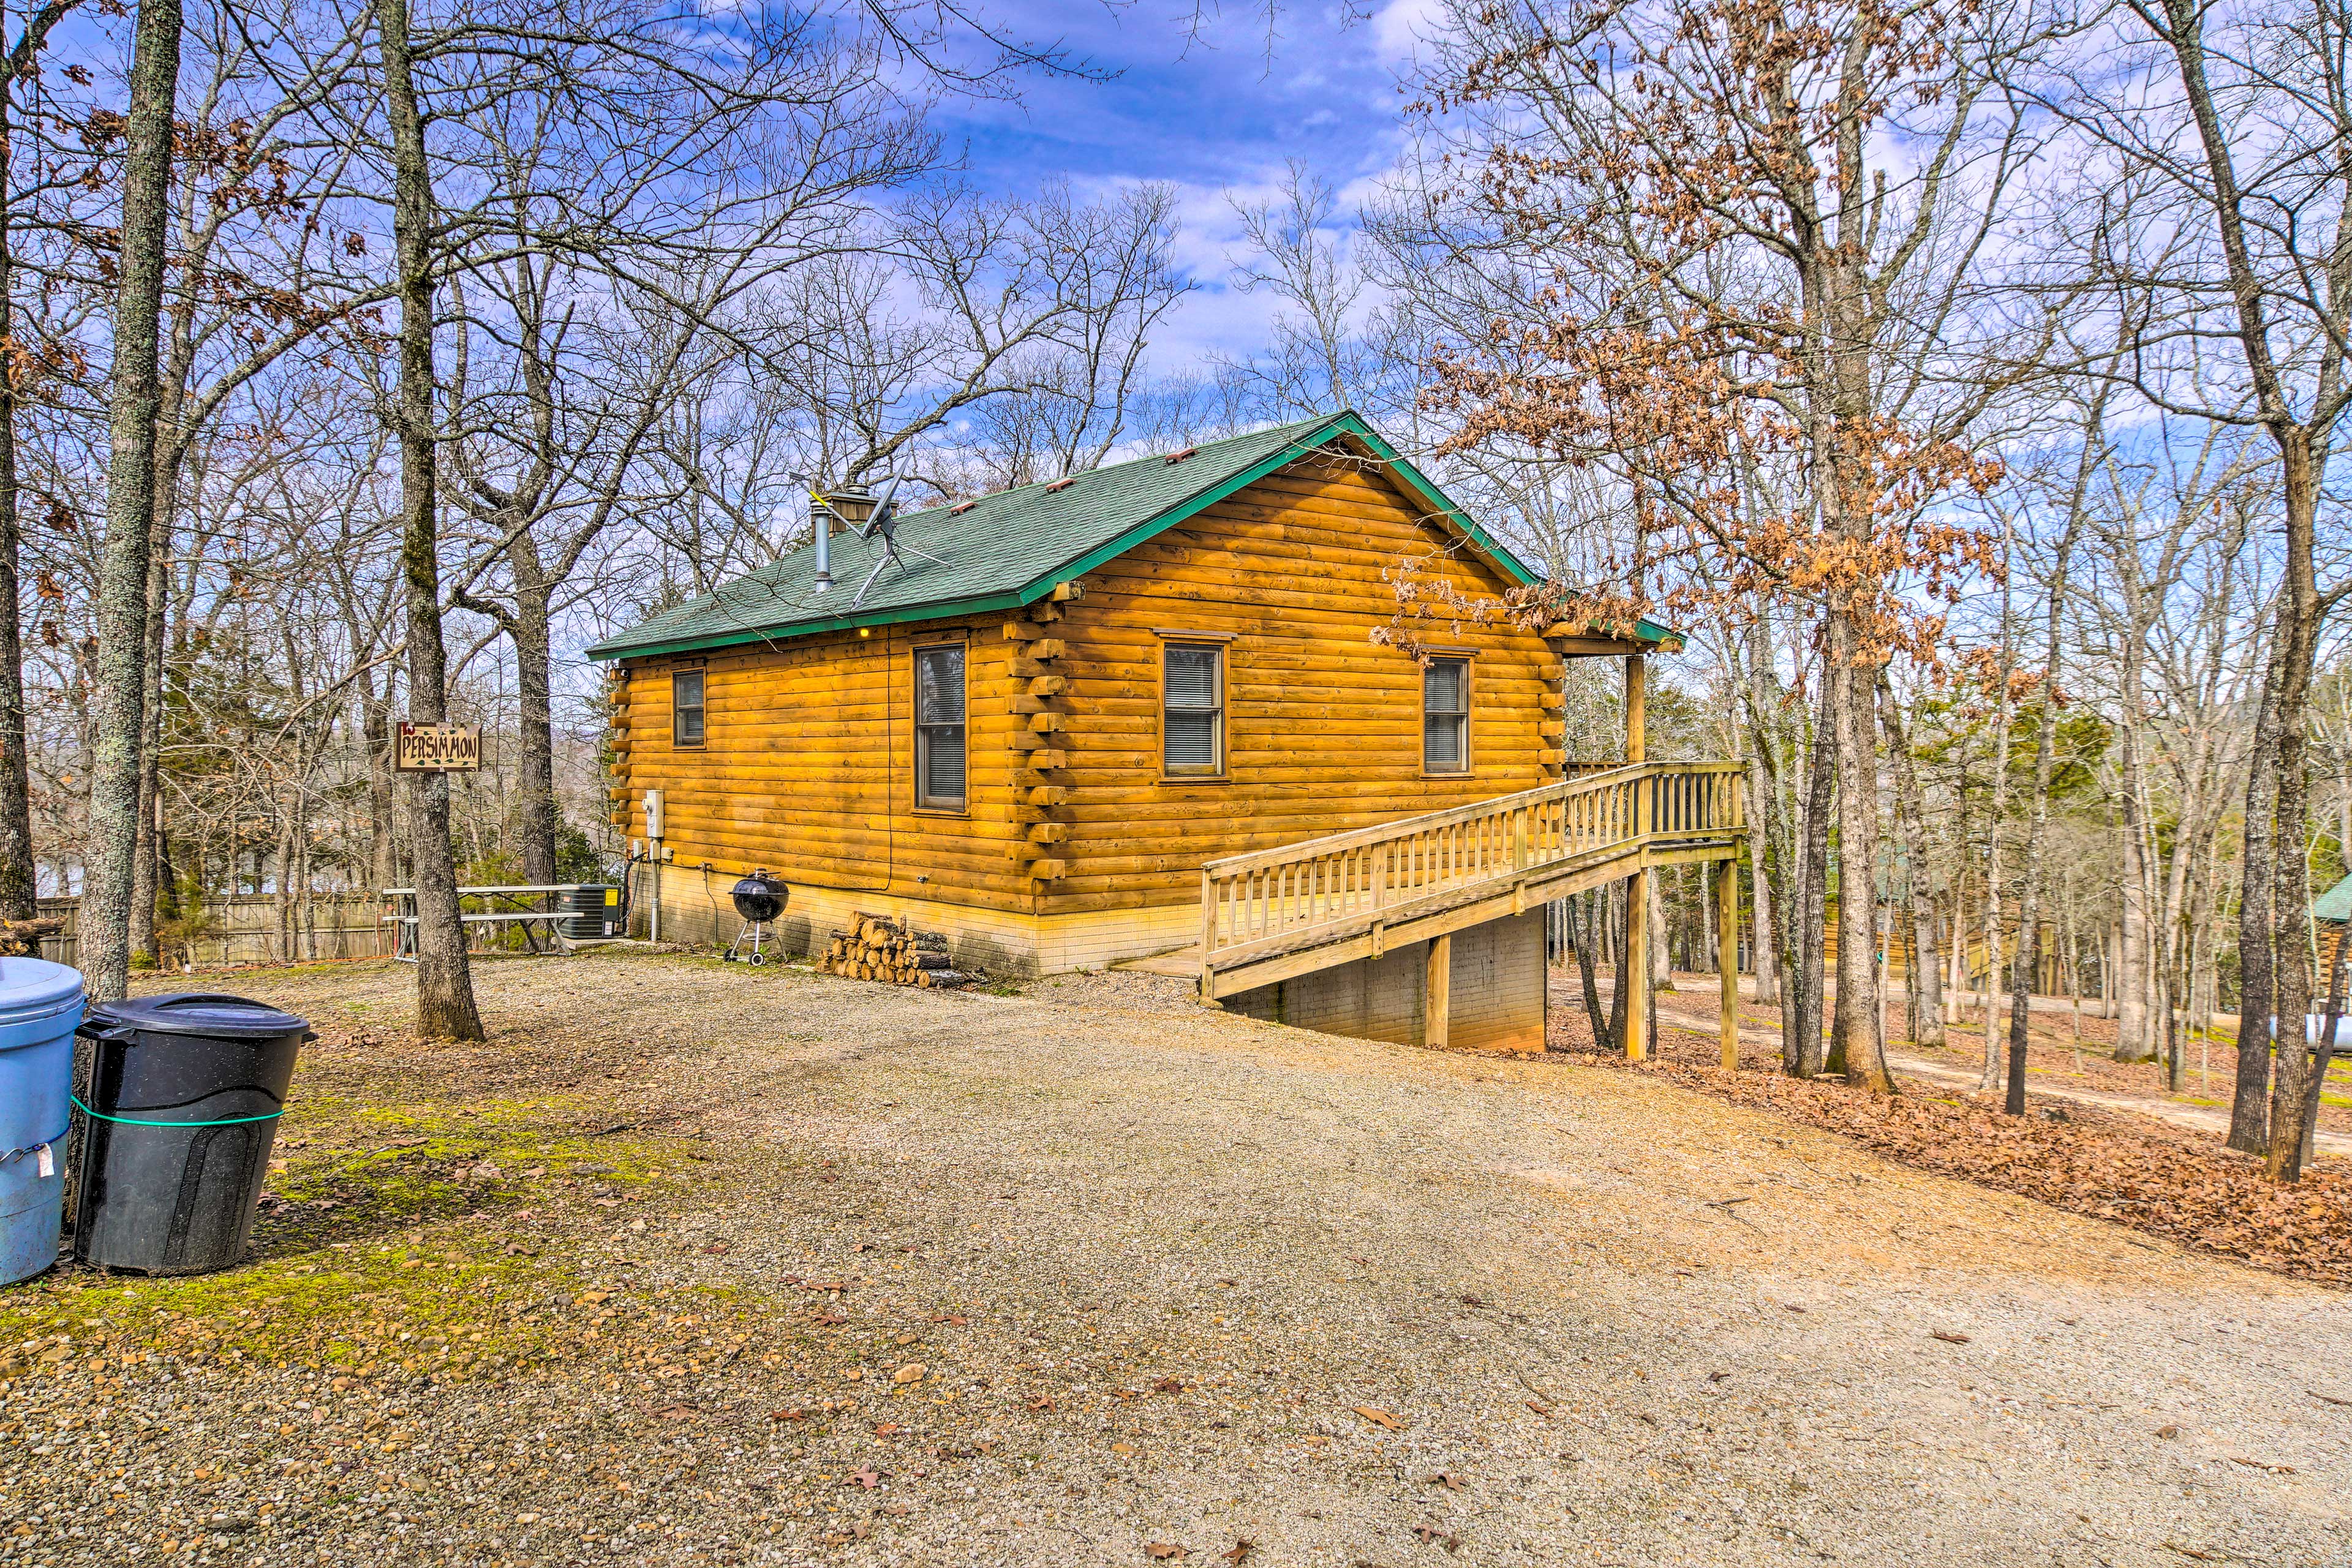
1379 832
1295 894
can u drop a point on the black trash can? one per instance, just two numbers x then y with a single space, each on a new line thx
185 1094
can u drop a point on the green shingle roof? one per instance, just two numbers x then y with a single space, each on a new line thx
2336 904
1009 549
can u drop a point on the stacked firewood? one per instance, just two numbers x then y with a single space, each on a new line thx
22 938
876 947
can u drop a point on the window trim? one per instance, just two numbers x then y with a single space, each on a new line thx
701 709
923 807
1218 643
1469 708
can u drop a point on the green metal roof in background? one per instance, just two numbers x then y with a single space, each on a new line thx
1009 549
2336 904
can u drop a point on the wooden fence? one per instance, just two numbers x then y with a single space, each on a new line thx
249 928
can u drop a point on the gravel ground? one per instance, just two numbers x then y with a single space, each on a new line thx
700 1264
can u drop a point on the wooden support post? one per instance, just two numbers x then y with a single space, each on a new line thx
1637 711
1209 891
1634 978
1727 955
1636 975
1438 991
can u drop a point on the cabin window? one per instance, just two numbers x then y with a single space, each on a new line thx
1445 716
1193 715
686 707
939 727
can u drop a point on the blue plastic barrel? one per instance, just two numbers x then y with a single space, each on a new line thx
40 1004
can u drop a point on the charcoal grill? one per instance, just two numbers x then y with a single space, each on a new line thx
759 898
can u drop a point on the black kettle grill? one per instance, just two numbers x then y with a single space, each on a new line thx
759 898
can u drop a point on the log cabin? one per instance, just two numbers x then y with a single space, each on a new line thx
1155 712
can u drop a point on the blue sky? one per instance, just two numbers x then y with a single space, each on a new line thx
1209 115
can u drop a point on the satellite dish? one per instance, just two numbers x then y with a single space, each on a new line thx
884 521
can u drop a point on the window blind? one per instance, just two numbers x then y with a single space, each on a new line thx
686 707
1445 716
938 726
1194 717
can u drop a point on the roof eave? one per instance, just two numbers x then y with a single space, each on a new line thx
940 610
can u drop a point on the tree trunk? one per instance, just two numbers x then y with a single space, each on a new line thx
105 928
1587 961
144 887
1856 1038
2258 1001
1800 1050
2291 878
1924 1005
445 982
1617 982
2029 930
535 807
1767 844
19 883
375 735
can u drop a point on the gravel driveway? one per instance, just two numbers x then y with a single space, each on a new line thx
700 1264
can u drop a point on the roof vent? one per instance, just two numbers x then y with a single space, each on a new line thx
1179 457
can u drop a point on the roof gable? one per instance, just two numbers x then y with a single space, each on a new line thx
1009 549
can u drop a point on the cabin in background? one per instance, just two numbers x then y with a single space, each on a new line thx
1034 732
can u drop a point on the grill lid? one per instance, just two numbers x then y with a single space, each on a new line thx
760 896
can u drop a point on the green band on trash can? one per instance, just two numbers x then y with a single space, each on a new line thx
140 1121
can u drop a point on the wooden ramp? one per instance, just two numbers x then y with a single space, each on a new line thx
1275 914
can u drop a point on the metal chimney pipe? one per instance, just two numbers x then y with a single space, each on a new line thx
821 524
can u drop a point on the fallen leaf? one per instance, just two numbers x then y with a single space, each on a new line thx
854 1374
1240 1550
948 1318
1167 1385
2167 1431
1122 1447
1451 1480
866 1478
889 1429
1378 1417
787 1416
910 1372
1162 1551
1043 1402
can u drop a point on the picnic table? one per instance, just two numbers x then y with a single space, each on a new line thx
535 904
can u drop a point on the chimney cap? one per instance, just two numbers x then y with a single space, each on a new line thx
851 503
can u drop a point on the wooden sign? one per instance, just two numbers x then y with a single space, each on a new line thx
437 748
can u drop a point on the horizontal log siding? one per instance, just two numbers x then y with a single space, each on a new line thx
1323 726
807 770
